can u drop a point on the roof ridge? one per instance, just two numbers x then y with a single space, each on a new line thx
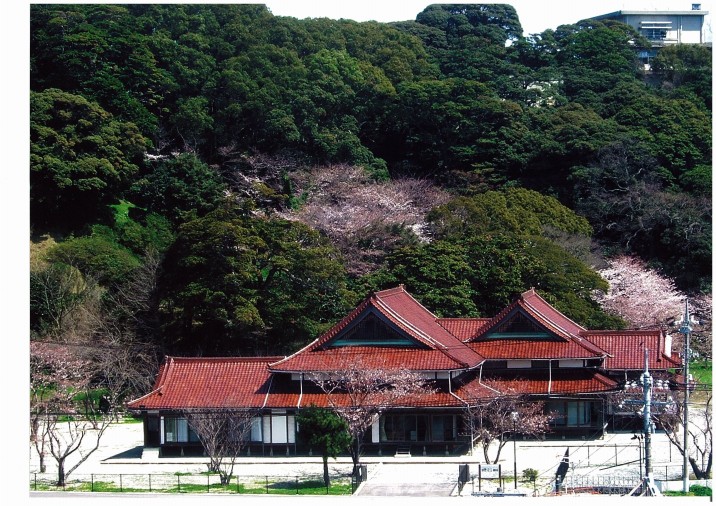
533 293
622 331
266 358
463 318
409 325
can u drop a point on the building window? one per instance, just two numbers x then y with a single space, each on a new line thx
177 430
444 428
654 33
572 413
413 428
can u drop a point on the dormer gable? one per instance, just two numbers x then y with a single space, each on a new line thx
372 328
530 328
530 317
519 325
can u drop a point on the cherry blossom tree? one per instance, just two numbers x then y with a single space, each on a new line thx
499 419
364 218
223 433
640 295
359 392
61 426
700 437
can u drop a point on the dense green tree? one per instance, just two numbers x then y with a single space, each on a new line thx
439 274
685 69
514 211
180 188
325 431
480 275
558 139
237 284
595 56
97 255
81 158
454 124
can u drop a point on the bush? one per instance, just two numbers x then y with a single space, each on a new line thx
700 490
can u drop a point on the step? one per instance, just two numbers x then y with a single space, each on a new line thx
403 451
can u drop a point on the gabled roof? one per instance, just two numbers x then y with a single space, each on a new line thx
437 349
185 383
564 336
626 349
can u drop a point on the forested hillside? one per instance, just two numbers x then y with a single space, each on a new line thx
217 180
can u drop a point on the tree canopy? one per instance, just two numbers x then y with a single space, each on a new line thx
268 171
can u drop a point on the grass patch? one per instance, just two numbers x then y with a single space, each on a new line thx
694 490
701 369
121 212
259 487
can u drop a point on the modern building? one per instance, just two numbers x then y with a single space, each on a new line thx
528 349
663 28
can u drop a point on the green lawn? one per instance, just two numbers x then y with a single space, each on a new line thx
701 369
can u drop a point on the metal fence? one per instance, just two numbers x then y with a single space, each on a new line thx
196 483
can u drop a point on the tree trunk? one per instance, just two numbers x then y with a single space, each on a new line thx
61 472
355 456
326 478
486 453
701 474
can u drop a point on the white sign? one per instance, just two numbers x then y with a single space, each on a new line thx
489 471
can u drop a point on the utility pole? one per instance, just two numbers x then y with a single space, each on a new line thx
646 383
647 486
685 329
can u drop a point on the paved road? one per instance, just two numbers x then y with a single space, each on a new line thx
411 479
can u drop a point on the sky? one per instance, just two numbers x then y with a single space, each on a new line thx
535 16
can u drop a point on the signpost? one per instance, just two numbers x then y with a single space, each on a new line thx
488 472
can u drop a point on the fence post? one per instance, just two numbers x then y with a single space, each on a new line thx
296 485
207 482
266 478
238 487
616 459
120 483
92 482
178 484
150 482
35 482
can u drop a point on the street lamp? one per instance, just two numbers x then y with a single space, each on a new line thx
515 415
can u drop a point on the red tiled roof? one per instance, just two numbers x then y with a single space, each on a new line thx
445 351
334 359
520 349
463 328
626 349
287 393
551 319
208 383
540 382
261 381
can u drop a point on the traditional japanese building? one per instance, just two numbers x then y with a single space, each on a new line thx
528 349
